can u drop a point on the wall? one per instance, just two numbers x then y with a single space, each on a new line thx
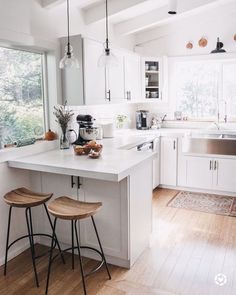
171 39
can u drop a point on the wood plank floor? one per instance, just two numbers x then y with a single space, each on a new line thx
188 250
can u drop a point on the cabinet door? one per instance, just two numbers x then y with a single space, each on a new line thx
72 79
133 77
156 163
60 185
199 173
111 220
169 161
115 78
224 175
94 76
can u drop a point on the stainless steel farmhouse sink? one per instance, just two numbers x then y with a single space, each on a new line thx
219 144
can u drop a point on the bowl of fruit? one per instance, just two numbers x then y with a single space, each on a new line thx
92 149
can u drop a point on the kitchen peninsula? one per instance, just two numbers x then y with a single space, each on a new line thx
115 179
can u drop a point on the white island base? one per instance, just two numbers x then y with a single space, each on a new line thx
124 222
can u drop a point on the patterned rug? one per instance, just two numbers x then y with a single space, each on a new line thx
209 203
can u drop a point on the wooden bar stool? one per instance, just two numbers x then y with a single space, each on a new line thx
25 198
73 210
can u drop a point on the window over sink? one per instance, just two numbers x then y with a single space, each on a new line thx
205 89
21 94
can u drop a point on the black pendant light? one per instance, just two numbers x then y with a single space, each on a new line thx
69 60
172 7
107 59
219 47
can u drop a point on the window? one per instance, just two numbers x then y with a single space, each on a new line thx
21 94
205 89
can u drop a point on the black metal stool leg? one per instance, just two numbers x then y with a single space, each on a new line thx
57 243
31 230
72 244
31 240
100 245
80 258
50 256
7 242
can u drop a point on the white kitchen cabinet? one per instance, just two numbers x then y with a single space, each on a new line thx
216 174
126 206
169 161
132 77
199 172
115 83
59 185
224 171
156 163
94 76
109 222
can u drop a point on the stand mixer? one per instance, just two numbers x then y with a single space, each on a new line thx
86 130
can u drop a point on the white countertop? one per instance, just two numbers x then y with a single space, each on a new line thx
114 164
117 158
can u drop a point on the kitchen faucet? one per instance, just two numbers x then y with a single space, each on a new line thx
225 117
163 118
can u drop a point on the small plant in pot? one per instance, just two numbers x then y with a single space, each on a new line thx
121 121
63 117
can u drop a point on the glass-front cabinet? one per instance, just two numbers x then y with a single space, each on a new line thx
153 78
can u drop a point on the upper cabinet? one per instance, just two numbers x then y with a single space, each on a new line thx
91 84
154 79
132 74
115 82
94 76
72 79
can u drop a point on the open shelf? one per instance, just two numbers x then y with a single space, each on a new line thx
152 72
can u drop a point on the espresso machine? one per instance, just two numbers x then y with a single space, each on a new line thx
142 120
86 130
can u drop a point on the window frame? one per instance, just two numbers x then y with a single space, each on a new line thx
219 58
44 82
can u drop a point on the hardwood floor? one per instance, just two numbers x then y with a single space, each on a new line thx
188 250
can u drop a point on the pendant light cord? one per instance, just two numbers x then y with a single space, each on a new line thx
68 27
107 41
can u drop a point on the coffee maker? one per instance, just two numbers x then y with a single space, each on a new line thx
142 120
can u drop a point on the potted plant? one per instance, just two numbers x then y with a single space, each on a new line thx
63 116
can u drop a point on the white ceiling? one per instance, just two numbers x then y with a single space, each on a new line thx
137 10
133 16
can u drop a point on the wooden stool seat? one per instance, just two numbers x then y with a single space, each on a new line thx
70 209
25 198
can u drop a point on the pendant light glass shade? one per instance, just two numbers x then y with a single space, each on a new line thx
172 7
107 59
69 60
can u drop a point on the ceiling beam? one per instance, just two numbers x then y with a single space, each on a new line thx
97 12
161 16
51 3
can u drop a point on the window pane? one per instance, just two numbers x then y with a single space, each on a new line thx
229 88
197 89
21 94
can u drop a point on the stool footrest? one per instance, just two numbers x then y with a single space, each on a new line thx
99 265
34 235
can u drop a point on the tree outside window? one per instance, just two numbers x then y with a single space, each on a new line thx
21 94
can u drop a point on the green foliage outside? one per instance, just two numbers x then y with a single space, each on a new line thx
21 97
